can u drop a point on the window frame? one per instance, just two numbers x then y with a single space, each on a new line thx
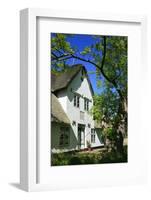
86 104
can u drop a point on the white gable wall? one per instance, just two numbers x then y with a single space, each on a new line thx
82 88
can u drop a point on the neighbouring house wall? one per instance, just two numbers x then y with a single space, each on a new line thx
98 138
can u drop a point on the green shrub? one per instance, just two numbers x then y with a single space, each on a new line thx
59 159
76 158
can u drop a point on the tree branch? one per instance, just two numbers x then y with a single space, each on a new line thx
54 55
112 81
61 58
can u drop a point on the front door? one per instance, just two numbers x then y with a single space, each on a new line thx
81 137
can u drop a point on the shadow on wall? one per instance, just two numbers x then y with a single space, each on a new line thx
55 138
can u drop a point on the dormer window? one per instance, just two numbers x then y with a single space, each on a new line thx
76 101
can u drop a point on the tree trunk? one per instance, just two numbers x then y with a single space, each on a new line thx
121 126
119 143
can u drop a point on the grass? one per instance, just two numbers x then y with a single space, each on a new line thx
89 157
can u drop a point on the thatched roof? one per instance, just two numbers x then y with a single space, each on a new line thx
62 80
57 112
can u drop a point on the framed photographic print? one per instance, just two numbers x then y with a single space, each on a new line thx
82 76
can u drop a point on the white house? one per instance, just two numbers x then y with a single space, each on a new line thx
72 125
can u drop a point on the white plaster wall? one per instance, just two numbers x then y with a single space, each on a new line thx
82 88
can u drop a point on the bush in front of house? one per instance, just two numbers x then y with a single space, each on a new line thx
59 159
77 158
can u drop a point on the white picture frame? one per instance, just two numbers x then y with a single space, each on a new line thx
29 148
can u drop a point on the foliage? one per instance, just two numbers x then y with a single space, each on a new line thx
105 106
82 158
110 133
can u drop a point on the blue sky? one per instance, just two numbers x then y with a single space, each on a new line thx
81 41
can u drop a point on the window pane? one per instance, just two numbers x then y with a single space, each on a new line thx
92 139
61 140
74 100
78 101
85 104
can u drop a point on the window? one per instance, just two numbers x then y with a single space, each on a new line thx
64 136
86 104
92 135
76 100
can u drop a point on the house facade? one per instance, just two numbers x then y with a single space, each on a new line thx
72 125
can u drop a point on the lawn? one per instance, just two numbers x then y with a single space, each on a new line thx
99 156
